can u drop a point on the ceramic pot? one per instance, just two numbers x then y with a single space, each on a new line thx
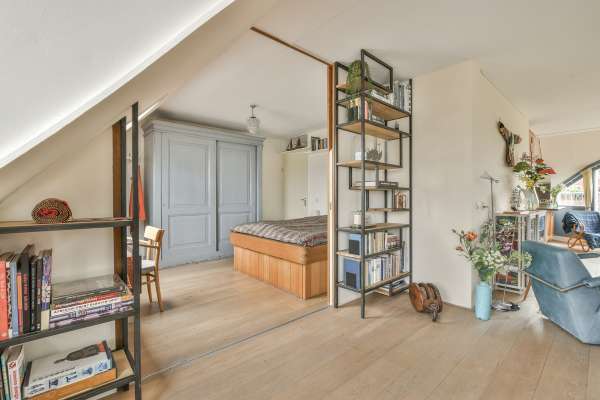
483 301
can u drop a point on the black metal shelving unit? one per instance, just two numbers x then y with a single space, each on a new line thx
130 373
390 135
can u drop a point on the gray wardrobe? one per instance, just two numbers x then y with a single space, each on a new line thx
199 183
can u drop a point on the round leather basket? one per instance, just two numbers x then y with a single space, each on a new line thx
51 211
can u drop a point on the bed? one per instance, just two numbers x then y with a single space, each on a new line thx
288 254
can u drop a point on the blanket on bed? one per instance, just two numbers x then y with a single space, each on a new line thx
307 232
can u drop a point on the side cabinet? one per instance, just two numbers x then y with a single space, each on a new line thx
199 183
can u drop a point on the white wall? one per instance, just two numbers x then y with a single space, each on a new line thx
570 153
295 184
455 141
272 179
84 180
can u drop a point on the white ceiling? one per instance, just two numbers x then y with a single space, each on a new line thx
541 54
60 58
289 88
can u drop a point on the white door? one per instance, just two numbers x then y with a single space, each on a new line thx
236 175
189 199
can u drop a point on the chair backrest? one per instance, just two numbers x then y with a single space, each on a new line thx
576 311
154 236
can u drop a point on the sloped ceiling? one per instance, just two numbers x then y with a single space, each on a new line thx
541 54
59 58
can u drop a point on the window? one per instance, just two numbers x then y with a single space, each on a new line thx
572 196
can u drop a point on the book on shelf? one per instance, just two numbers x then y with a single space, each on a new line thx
375 242
25 286
13 371
317 143
374 184
66 368
78 387
87 299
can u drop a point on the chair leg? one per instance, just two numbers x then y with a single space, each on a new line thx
527 289
158 294
149 287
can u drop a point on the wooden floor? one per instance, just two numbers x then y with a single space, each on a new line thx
209 306
394 354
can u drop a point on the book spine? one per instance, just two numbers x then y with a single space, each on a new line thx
5 385
86 300
87 311
32 294
14 318
20 301
46 291
3 303
89 317
86 306
14 381
38 296
25 284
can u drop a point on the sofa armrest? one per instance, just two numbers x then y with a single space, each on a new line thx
592 282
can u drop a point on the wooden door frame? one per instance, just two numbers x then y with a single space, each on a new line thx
331 236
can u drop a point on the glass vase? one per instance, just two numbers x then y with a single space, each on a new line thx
532 202
483 301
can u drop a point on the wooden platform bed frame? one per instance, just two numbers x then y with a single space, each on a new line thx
296 269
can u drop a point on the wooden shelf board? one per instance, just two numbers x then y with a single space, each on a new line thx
368 164
28 337
125 376
346 253
373 129
80 223
384 110
384 209
366 85
379 188
374 228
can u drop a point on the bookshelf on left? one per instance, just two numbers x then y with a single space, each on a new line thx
127 357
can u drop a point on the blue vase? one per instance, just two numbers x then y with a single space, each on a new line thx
483 301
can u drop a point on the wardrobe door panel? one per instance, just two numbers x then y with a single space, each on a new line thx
236 189
189 199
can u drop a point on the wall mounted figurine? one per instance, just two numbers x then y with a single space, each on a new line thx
511 140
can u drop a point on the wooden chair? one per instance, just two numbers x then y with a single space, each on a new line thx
150 262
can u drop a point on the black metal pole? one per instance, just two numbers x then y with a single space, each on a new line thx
336 191
123 200
363 189
410 182
135 235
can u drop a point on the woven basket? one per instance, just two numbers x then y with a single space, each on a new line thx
51 211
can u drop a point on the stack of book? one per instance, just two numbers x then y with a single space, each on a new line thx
12 363
377 184
374 243
56 376
383 267
88 299
317 143
25 288
400 200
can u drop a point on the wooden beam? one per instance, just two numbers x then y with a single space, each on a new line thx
291 46
119 210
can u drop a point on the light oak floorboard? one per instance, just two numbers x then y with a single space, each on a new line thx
208 306
394 354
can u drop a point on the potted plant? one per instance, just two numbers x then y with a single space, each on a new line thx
530 175
486 258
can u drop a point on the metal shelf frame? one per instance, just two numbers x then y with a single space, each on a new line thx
119 224
364 165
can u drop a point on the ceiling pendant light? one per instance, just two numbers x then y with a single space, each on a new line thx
253 123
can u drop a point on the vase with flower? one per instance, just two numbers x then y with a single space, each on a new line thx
530 174
486 258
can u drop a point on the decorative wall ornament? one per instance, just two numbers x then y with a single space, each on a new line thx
51 211
511 140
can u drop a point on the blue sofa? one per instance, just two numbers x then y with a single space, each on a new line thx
565 290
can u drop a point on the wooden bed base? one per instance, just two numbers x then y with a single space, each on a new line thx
295 269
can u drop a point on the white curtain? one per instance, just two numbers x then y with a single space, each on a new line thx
588 185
